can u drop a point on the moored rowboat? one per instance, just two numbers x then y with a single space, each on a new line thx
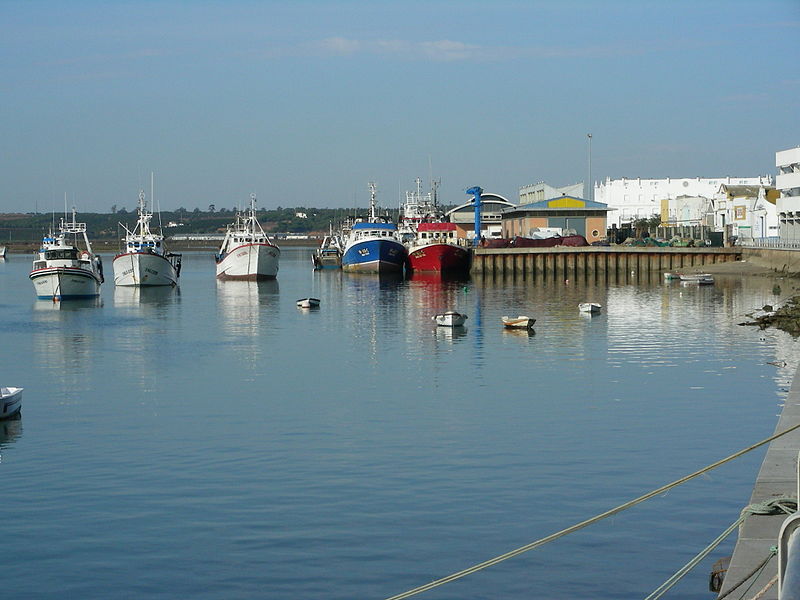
589 307
10 401
308 303
450 318
520 322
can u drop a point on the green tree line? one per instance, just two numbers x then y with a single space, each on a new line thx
31 227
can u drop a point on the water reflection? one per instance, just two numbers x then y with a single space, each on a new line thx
155 296
10 431
450 334
67 305
240 303
63 337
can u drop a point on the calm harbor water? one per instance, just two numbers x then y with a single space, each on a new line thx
216 442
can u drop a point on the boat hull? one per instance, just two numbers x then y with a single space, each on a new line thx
65 283
375 256
143 269
10 402
250 262
450 319
521 322
438 258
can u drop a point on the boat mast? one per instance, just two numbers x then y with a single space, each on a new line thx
372 189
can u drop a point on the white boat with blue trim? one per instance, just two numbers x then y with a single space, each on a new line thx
145 261
247 253
65 267
373 245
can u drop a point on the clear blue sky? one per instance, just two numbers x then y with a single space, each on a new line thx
304 102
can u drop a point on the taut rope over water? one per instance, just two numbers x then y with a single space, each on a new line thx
554 536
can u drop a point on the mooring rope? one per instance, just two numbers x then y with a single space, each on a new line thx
582 524
667 585
768 507
772 552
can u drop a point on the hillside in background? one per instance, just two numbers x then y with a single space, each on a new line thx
31 227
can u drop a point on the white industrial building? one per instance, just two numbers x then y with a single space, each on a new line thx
788 184
642 198
538 192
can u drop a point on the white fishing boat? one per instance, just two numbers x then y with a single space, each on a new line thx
10 401
329 253
145 261
2 252
589 307
308 303
247 252
65 266
520 322
450 318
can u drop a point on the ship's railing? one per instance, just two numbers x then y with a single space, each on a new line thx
789 553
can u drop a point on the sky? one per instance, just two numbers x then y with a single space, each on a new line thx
304 102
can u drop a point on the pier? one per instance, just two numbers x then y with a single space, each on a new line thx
776 479
604 262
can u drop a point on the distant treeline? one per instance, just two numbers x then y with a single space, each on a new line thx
105 226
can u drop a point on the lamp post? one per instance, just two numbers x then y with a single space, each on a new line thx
591 186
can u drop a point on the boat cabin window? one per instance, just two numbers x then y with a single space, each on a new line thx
70 254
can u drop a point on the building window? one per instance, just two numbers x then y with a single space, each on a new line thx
740 213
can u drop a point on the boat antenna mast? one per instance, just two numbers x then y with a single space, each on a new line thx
372 191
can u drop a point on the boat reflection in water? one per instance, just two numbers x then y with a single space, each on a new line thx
71 306
63 338
148 296
10 431
241 304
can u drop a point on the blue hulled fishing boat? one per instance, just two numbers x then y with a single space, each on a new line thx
374 246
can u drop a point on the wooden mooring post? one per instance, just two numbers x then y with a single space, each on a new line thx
603 262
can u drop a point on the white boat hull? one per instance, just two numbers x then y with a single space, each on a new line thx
250 262
143 269
589 307
64 283
520 322
10 401
450 319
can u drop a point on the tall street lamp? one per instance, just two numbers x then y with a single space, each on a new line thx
591 187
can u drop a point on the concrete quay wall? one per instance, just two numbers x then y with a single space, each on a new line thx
786 261
562 262
777 478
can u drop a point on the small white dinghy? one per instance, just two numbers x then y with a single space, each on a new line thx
10 401
520 322
450 319
308 303
698 278
589 307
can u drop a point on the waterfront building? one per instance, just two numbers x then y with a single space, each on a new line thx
788 184
568 214
492 206
687 211
746 211
640 198
536 192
